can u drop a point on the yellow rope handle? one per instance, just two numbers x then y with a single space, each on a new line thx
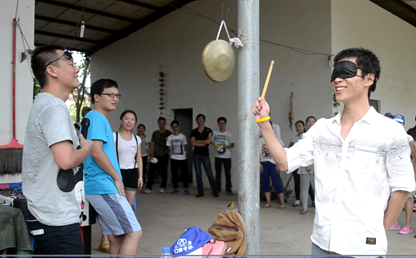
263 119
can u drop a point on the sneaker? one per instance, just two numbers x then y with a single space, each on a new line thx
175 192
405 231
186 192
147 191
229 192
296 204
303 212
394 227
162 190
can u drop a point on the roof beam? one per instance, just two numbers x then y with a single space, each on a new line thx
148 6
177 4
57 35
88 10
69 23
405 6
398 8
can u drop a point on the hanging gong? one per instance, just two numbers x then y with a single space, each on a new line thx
219 60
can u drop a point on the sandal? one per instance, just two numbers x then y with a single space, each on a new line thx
282 206
104 247
267 206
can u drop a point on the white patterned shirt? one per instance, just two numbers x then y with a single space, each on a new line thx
353 178
222 139
177 145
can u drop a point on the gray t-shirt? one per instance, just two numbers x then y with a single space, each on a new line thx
54 196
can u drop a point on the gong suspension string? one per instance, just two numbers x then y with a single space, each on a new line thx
222 11
296 49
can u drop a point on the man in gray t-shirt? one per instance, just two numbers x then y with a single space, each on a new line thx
52 173
50 123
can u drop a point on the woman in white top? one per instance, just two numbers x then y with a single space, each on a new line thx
129 155
141 129
306 174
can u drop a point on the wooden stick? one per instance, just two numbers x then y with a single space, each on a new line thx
266 84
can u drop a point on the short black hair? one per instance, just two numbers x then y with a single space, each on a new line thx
309 117
144 127
221 118
367 61
174 122
128 111
200 115
85 111
98 87
301 122
161 118
40 57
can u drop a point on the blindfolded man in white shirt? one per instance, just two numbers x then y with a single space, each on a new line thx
359 156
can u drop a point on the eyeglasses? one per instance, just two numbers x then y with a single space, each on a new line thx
66 54
112 95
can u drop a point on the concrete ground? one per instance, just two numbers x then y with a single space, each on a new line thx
164 217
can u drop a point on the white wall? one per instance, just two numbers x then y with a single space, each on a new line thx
362 23
24 81
176 42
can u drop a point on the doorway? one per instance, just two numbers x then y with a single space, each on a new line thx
184 117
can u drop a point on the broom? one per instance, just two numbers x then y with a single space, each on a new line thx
11 154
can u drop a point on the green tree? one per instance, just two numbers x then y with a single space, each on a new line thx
36 88
80 93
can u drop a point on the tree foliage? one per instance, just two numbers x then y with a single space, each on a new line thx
81 93
36 87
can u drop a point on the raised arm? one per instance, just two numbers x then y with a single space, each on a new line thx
261 110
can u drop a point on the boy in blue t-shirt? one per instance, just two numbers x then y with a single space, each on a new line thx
104 188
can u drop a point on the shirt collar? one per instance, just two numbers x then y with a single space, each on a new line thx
368 117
